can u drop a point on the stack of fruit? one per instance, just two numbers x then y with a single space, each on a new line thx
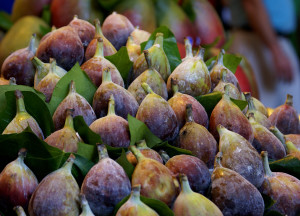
135 95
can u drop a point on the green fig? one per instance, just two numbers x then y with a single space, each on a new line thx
157 114
105 185
134 206
292 150
158 58
155 179
19 211
95 66
283 188
22 119
260 107
189 203
113 129
17 182
86 210
57 194
152 78
233 194
240 156
73 101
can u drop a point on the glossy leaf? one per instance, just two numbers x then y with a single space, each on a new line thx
127 166
288 164
230 61
5 21
209 101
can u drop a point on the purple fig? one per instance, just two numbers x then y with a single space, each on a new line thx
86 210
105 185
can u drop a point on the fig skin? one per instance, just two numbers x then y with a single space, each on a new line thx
73 101
17 182
125 103
105 185
294 138
195 170
57 194
260 107
113 129
234 195
64 45
19 66
117 28
4 81
86 210
285 117
283 188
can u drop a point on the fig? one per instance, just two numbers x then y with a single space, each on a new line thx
134 206
234 194
197 139
66 139
94 67
113 129
73 101
260 107
48 83
294 138
158 115
195 170
19 66
158 58
240 156
22 119
86 210
139 36
155 179
116 28
4 81
125 103
264 140
283 188
230 116
152 78
292 150
146 151
17 182
64 45
191 75
215 73
42 69
105 185
57 194
19 211
285 117
178 103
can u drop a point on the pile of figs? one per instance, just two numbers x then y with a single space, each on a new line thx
228 170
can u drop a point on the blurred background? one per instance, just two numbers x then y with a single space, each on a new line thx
266 33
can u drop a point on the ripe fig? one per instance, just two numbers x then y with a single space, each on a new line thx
4 81
155 179
108 48
240 156
73 101
22 119
86 210
233 194
146 151
197 139
195 170
189 203
134 206
57 194
19 211
283 188
105 185
19 66
264 140
125 103
113 129
260 107
94 67
17 182
285 117
116 28
64 45
158 58
158 115
152 78
66 139
139 36
192 75
178 103
230 116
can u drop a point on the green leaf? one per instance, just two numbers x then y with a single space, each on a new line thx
127 166
240 103
170 46
230 61
288 164
269 202
85 132
46 14
84 87
171 150
122 62
5 21
209 101
44 30
189 10
35 106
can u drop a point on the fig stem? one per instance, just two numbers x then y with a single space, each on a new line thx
290 147
20 101
201 53
220 129
159 39
148 59
111 105
12 81
189 113
164 156
106 75
220 57
102 151
99 48
135 193
142 144
98 29
37 63
265 159
136 152
72 87
289 100
185 186
19 211
69 163
279 135
86 210
52 68
251 105
147 88
218 160
174 85
69 119
251 117
188 48
31 46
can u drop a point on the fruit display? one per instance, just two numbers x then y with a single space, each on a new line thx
115 122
